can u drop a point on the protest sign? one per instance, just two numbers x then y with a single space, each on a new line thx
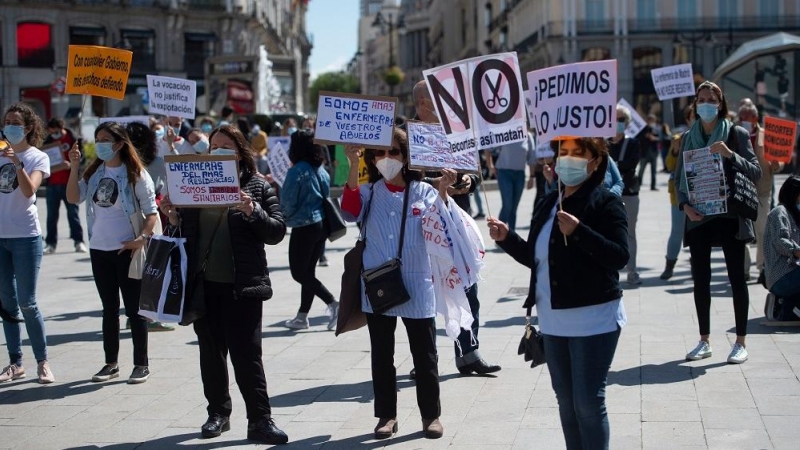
273 141
673 81
479 101
174 97
366 120
101 71
779 137
637 123
55 152
428 148
574 100
278 162
705 181
125 120
203 181
543 150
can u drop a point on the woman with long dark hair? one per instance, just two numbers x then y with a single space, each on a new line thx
116 186
306 186
782 242
227 284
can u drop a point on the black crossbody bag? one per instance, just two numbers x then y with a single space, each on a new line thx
384 284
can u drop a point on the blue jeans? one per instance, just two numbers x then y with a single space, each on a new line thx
20 260
787 285
579 372
675 232
467 346
57 194
511 184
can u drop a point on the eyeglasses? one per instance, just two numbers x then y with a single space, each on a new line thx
382 153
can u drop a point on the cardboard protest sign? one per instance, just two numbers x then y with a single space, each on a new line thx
125 120
278 162
705 180
673 81
479 101
101 71
428 148
273 141
366 120
779 138
173 97
55 152
574 100
203 181
637 123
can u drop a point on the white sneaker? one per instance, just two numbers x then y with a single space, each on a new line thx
80 247
633 278
702 351
333 312
49 249
297 324
738 354
12 372
45 374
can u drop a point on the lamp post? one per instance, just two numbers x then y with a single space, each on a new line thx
394 75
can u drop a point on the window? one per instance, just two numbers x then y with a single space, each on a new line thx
464 26
34 47
687 9
143 45
645 99
646 13
768 9
87 36
596 54
728 12
197 47
595 13
487 15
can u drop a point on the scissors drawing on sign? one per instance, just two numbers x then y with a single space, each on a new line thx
495 88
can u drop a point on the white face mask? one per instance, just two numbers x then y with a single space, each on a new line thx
389 168
748 126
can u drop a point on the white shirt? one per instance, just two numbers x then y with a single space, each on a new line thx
18 214
111 225
571 322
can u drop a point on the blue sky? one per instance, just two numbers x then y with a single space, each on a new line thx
334 25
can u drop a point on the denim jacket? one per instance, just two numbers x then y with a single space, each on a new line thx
302 194
144 193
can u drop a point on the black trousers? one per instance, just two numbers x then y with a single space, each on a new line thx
650 157
720 231
231 325
305 248
422 340
110 272
467 342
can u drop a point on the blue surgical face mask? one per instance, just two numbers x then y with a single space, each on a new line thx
14 133
707 112
160 133
291 130
176 130
222 152
571 170
620 128
201 146
105 150
206 127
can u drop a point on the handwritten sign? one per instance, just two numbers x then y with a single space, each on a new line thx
428 148
673 81
705 180
543 150
574 100
355 119
174 97
55 153
779 138
285 141
125 120
637 123
198 181
279 163
479 101
101 71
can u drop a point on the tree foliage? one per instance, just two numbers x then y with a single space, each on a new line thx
332 81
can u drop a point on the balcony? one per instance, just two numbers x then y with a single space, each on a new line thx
710 24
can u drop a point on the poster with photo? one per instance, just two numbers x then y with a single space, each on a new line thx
705 180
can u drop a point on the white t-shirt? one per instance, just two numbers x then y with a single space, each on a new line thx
111 225
18 214
182 146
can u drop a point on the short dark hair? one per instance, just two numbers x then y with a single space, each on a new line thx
55 122
788 194
716 90
226 111
144 139
303 148
400 141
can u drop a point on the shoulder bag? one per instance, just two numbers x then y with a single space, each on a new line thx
742 193
335 225
351 317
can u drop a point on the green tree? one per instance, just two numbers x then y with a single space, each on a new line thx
332 81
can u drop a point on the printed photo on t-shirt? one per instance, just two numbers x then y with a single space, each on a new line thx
8 178
107 193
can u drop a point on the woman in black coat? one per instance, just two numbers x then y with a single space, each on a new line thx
225 246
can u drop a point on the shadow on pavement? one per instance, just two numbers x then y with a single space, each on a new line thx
666 373
177 441
65 317
517 321
54 391
755 326
87 336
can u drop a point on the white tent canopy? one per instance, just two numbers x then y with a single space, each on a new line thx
774 43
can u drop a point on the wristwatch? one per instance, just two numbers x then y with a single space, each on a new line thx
19 166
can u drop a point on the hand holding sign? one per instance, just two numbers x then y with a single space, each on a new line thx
169 210
353 153
567 223
498 230
74 154
445 181
247 206
721 148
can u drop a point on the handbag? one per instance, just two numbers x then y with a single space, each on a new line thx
139 255
532 343
195 285
384 284
334 223
742 194
164 280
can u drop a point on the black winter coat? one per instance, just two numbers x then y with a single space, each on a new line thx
585 271
248 237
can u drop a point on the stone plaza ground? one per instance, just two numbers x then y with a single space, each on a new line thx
320 385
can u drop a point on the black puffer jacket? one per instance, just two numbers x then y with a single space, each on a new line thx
248 237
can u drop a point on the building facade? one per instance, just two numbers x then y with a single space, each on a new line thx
168 37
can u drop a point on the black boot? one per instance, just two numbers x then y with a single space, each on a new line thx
669 269
265 430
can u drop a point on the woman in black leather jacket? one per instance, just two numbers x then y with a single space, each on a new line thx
226 305
575 249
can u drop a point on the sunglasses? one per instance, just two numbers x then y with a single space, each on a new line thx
382 153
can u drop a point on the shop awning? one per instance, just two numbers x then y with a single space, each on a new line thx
750 50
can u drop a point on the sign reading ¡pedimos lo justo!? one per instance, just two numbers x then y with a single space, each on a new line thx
100 71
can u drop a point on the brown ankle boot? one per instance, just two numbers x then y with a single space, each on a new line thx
385 428
432 428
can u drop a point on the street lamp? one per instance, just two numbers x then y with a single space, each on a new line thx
394 75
